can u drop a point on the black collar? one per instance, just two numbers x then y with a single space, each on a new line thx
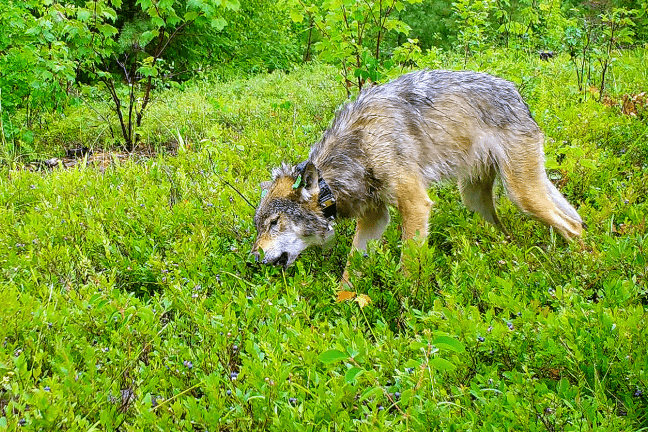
326 199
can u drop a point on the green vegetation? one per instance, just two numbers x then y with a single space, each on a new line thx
130 301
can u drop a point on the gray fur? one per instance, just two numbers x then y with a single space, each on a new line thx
395 140
408 119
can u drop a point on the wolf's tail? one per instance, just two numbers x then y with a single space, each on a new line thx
562 203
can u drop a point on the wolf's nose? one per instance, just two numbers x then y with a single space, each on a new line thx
282 260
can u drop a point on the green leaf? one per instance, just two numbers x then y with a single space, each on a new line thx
373 391
411 363
448 343
442 364
352 374
191 15
107 30
406 395
331 356
562 386
296 16
148 36
575 152
218 23
83 14
148 71
417 345
233 5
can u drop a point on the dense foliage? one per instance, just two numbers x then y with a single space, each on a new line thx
53 48
130 301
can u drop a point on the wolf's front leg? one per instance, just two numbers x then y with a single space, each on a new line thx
414 206
370 226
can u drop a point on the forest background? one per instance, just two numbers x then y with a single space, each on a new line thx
54 54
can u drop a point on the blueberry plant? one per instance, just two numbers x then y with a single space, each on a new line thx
130 301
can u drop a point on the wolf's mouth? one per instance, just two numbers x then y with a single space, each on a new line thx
282 260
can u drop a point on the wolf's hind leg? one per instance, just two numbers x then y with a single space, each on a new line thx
477 195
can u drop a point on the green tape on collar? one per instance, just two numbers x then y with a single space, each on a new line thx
297 182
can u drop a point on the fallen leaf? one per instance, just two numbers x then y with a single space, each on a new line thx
607 101
363 300
628 107
345 295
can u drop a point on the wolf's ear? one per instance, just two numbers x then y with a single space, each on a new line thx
310 180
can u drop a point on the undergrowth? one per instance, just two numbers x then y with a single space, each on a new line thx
130 301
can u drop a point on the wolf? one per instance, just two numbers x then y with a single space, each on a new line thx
391 144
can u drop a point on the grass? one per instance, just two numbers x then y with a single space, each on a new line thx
130 302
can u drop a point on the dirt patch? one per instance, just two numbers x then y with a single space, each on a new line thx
634 105
100 159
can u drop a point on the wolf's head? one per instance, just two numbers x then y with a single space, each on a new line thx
290 218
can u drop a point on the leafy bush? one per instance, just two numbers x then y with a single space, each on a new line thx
62 46
351 35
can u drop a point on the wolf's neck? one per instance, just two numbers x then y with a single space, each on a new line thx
351 180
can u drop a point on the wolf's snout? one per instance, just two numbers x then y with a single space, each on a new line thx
279 260
282 260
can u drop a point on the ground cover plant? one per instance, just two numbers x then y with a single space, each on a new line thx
129 300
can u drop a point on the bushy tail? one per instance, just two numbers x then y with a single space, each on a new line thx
562 203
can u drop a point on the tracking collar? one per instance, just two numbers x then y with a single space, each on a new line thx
325 199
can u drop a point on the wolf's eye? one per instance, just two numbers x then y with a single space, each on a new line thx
274 222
